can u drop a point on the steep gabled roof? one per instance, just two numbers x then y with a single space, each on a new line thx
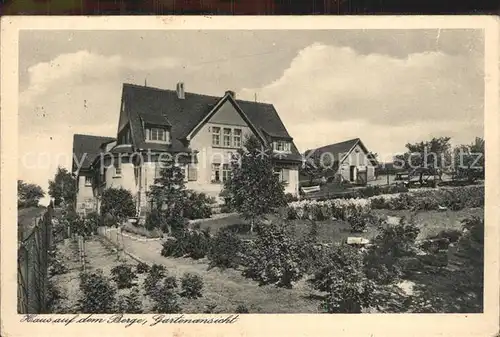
86 148
145 104
339 150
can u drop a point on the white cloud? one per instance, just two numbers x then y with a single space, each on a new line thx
331 93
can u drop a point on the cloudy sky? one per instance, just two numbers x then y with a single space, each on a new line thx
388 87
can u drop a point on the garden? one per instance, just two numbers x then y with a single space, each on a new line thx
383 250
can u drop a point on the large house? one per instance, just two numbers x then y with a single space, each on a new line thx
349 160
200 131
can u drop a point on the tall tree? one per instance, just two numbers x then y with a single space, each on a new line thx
253 188
469 160
430 154
63 187
28 195
169 195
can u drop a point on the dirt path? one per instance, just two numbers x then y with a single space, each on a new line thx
228 288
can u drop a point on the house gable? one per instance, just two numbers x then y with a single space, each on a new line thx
227 114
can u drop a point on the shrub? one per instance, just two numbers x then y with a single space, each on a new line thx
369 191
226 250
341 277
382 261
92 222
53 297
170 282
453 235
289 197
142 268
198 206
56 266
359 222
242 309
129 303
97 293
123 275
154 220
165 301
275 257
156 273
192 285
194 244
118 202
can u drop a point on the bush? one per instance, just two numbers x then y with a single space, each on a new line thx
275 257
242 309
289 197
118 202
156 273
226 250
165 301
123 275
129 303
341 277
97 293
192 285
359 222
190 243
92 222
141 230
170 282
142 268
53 297
382 261
154 220
198 206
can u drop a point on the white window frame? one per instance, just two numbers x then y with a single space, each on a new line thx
153 135
237 138
227 137
282 146
216 135
216 170
226 172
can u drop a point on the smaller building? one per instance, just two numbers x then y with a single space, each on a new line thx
349 161
86 149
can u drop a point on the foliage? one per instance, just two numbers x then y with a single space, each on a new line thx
189 243
341 276
275 257
129 303
360 221
56 265
392 243
142 268
469 160
28 195
123 275
458 288
63 187
169 196
433 154
53 297
289 197
226 250
155 274
154 219
97 293
253 188
198 206
118 202
170 282
242 309
192 285
335 208
166 301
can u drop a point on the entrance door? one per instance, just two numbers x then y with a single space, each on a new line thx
352 173
362 177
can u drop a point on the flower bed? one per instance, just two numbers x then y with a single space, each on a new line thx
321 210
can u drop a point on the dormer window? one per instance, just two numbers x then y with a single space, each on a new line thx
157 135
281 146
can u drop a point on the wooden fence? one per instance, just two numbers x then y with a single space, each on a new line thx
32 266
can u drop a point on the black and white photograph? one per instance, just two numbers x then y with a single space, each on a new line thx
230 172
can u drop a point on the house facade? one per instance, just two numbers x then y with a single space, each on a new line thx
199 132
345 161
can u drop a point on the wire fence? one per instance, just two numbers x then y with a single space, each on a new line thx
32 266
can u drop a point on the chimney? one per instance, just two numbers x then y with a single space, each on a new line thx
231 93
180 90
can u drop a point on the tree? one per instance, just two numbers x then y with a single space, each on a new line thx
63 187
169 196
28 195
429 154
118 203
469 160
253 188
